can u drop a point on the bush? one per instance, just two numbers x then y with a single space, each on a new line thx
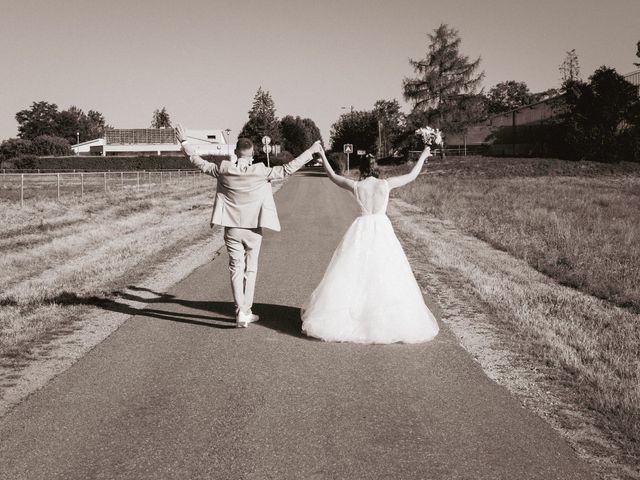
600 114
49 145
14 147
25 162
39 146
115 163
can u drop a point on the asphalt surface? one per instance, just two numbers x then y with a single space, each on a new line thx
178 392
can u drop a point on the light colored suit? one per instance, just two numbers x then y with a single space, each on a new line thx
244 205
244 197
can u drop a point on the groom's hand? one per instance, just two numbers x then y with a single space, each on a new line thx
316 147
181 133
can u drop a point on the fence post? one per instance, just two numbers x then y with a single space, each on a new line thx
122 180
161 172
138 180
58 175
22 190
81 185
148 180
104 174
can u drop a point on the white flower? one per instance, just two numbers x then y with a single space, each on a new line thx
430 135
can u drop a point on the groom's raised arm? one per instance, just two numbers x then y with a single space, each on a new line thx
209 168
280 172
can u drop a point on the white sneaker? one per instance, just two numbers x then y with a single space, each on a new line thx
253 317
243 320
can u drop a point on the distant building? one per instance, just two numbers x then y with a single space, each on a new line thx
154 141
525 119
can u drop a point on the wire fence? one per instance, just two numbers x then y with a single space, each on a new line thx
21 187
4 171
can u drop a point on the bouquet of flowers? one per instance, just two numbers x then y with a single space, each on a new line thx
430 135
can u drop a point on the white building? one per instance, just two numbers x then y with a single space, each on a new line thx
157 141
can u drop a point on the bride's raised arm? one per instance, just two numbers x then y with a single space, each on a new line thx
339 180
400 180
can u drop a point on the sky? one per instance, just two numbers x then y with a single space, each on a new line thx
205 59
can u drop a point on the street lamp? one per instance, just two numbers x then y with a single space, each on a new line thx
78 143
228 132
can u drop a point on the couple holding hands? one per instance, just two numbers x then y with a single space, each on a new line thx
368 293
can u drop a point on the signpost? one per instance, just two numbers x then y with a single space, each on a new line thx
266 140
347 148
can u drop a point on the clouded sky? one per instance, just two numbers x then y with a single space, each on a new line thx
204 59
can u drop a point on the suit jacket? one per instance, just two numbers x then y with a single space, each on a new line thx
244 197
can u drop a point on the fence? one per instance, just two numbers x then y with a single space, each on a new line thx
4 171
20 187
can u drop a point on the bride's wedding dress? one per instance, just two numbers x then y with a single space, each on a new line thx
368 293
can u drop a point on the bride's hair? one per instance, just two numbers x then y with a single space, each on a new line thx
368 167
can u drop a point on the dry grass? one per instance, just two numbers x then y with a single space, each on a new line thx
578 222
580 231
57 257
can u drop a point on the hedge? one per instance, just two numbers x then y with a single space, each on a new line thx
118 163
99 163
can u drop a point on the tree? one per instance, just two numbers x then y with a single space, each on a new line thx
74 121
298 134
40 119
359 128
262 120
43 118
46 145
638 54
43 145
602 117
570 67
313 132
15 147
391 122
442 75
507 96
161 118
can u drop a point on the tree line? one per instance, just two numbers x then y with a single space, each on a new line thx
597 115
45 130
293 134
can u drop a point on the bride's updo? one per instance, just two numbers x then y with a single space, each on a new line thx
368 167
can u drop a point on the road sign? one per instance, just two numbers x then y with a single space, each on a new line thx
266 140
266 149
347 148
362 152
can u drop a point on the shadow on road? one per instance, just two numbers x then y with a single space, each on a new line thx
163 306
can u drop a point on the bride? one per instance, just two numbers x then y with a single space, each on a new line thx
368 293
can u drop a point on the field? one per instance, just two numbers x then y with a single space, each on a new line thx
576 223
70 185
58 258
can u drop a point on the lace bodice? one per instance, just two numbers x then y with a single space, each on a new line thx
372 194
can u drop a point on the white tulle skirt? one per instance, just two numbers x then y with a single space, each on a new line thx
369 293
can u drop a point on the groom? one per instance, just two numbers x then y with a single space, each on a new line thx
244 205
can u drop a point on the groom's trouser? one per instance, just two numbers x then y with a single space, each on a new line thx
243 245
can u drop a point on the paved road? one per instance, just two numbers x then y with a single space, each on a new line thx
177 392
